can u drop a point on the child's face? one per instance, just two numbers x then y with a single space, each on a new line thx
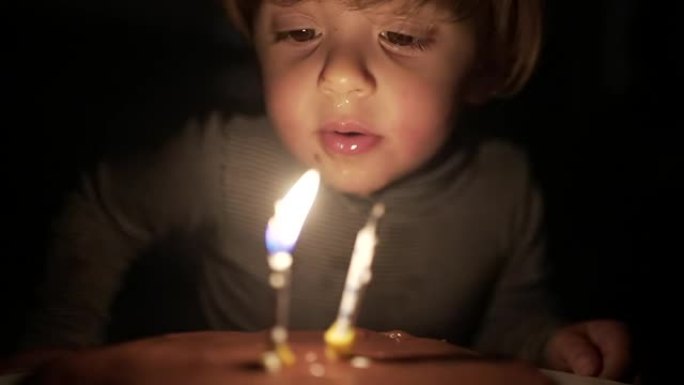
365 96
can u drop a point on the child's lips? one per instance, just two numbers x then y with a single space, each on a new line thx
348 138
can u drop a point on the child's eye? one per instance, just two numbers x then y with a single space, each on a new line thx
402 40
297 35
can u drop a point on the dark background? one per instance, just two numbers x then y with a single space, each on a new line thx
85 78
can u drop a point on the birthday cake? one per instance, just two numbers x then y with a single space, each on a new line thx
221 358
342 355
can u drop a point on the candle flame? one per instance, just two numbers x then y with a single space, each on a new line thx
291 212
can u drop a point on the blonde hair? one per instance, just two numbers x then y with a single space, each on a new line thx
508 34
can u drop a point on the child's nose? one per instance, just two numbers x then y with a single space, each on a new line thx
346 74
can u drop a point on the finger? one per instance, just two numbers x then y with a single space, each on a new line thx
612 340
578 355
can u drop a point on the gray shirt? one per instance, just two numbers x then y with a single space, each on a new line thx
459 254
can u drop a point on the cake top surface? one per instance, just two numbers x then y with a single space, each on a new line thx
213 358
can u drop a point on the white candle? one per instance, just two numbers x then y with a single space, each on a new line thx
340 336
282 233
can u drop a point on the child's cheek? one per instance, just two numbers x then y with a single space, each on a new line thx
423 144
286 96
282 100
424 119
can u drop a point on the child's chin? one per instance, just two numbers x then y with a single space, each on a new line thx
359 186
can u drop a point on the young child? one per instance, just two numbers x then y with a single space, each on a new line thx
368 93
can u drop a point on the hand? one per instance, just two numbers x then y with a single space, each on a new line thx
599 348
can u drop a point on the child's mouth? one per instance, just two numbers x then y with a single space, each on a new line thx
349 134
347 138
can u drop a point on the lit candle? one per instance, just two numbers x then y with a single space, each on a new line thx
341 334
281 236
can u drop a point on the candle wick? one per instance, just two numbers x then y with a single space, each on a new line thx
378 211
